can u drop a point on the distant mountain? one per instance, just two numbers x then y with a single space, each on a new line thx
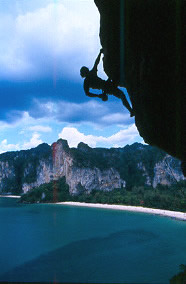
87 168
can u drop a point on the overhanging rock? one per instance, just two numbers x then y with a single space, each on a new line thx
143 51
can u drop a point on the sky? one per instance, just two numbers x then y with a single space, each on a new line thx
43 44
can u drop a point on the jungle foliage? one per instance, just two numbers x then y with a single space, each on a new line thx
163 197
180 278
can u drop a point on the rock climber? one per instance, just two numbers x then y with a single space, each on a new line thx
108 87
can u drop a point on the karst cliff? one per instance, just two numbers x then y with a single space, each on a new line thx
143 43
87 168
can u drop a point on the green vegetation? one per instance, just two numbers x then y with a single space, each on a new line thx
84 156
134 163
49 192
180 278
126 160
132 156
24 165
163 197
172 198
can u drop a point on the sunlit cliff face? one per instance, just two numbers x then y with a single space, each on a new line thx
87 168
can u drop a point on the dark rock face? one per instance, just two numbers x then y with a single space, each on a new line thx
143 51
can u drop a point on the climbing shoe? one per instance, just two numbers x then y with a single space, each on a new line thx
104 97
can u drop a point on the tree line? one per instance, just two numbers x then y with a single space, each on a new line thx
162 197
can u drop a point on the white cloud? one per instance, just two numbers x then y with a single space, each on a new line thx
54 40
119 139
5 147
74 137
27 123
94 112
34 142
124 136
40 128
4 125
115 118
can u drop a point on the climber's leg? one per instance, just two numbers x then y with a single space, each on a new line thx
119 94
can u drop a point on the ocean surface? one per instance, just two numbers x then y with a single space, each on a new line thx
58 243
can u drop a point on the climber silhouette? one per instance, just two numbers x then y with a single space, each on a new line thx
107 87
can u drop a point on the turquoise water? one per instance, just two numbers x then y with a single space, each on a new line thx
58 243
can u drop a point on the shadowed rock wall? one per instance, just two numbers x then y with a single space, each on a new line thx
143 51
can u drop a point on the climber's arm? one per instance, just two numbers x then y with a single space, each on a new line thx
95 67
87 88
89 94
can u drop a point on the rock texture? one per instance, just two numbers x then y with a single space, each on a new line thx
78 177
86 169
143 44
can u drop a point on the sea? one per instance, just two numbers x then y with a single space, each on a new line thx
59 243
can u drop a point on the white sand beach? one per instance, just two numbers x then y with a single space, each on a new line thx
167 213
12 196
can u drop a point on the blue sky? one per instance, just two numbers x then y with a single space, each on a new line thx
43 44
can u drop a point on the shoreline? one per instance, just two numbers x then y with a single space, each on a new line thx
161 212
12 196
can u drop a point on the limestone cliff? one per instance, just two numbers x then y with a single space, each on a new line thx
65 164
143 43
85 168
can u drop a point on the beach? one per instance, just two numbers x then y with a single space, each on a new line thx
162 212
12 196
